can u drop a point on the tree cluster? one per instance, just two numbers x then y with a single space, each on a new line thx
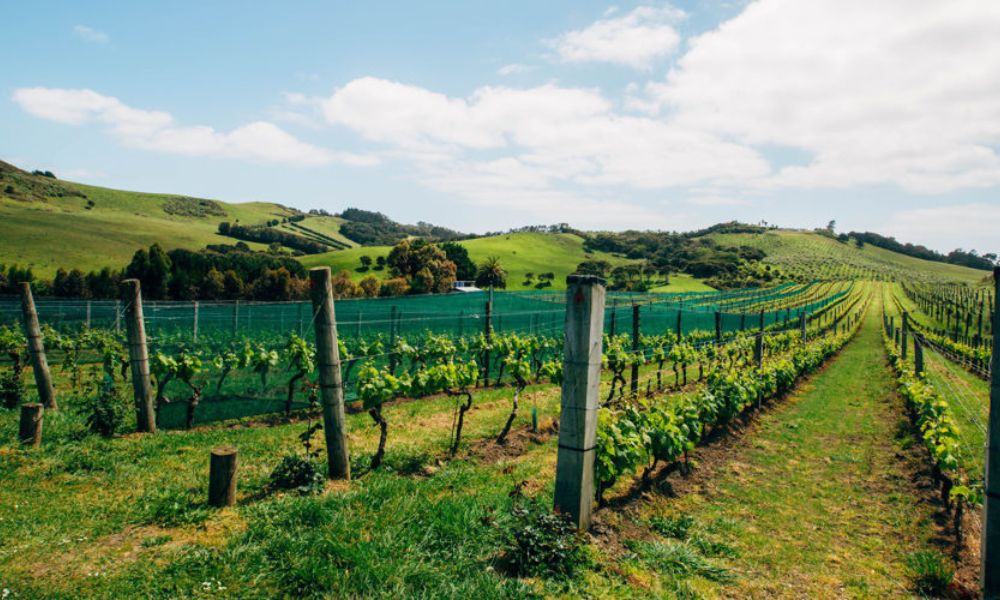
270 235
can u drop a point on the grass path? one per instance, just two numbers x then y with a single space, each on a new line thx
816 501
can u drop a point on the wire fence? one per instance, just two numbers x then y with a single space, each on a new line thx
217 329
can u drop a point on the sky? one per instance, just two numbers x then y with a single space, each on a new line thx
882 116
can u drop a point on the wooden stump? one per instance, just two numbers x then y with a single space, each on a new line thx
31 424
222 477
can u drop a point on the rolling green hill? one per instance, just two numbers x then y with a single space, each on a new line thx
52 224
807 255
520 253
49 223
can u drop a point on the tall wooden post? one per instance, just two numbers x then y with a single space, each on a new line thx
904 332
614 319
760 324
331 385
574 493
802 325
194 322
918 357
680 330
758 350
222 477
635 350
118 316
138 355
488 332
236 317
88 314
990 557
36 348
718 327
393 358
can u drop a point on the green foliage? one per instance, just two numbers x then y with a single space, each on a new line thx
106 409
930 572
298 474
11 390
540 543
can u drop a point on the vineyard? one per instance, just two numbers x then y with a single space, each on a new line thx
453 416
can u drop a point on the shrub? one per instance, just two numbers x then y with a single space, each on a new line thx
11 390
106 409
929 572
541 543
297 474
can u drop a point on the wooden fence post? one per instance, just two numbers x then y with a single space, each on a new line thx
758 350
680 329
222 477
718 328
904 330
36 349
990 553
138 355
236 317
30 430
330 378
88 314
802 326
488 330
635 350
574 493
918 357
118 316
194 323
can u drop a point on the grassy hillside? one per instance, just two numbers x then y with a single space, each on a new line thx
62 224
811 256
520 253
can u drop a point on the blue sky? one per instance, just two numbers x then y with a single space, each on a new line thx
483 116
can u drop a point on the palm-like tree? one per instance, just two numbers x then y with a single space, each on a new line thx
491 273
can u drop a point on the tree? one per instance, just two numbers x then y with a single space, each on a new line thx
213 286
397 286
233 285
465 269
831 225
594 267
366 262
379 263
370 286
343 286
491 274
410 258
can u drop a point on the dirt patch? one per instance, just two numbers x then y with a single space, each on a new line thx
519 440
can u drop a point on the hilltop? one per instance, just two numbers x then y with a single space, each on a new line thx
50 223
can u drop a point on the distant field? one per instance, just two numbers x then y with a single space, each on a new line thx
62 232
811 256
520 253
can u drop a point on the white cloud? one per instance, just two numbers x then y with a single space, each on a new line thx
636 39
513 69
938 227
716 200
91 35
157 130
897 91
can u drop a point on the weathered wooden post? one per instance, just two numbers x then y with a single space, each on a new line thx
904 330
331 385
236 317
88 314
614 319
680 330
990 554
194 322
222 477
30 430
488 331
802 326
918 357
758 350
138 355
574 493
36 348
393 358
718 328
118 316
635 350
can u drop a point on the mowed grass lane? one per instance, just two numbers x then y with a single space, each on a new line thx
816 502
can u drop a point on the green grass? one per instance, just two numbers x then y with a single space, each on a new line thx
811 256
62 232
815 500
520 253
682 282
